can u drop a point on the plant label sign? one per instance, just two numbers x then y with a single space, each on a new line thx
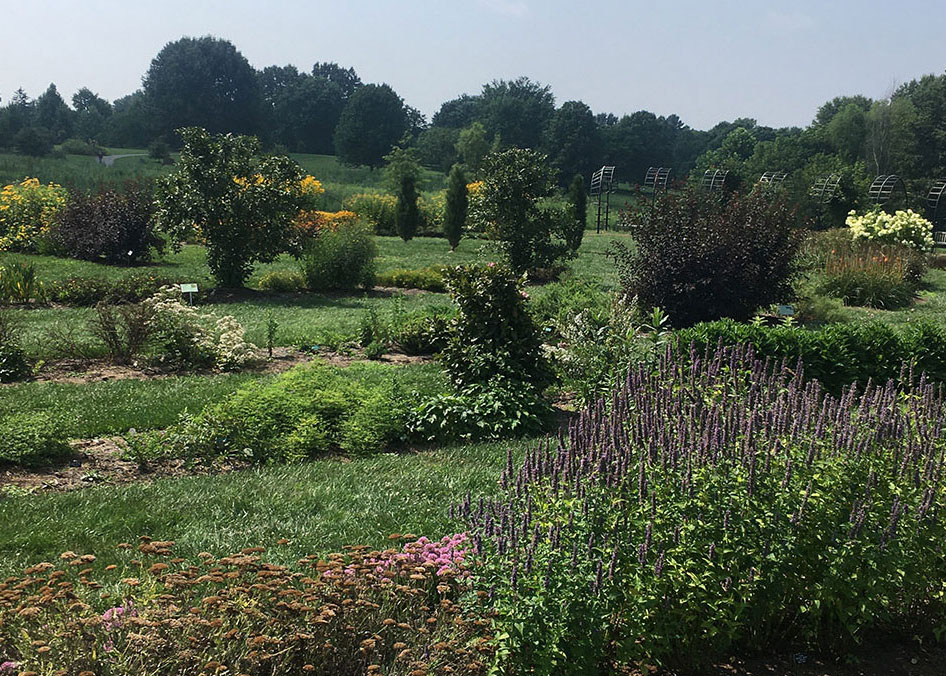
786 310
189 289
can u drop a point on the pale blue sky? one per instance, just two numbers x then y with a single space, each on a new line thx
706 61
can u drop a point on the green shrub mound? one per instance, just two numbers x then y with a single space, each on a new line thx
31 439
427 279
837 355
282 281
340 259
309 411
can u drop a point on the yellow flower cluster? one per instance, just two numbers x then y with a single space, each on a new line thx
311 222
311 186
246 182
906 228
378 209
27 210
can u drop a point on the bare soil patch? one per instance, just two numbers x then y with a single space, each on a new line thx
284 358
100 461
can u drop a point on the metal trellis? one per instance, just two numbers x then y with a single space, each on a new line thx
602 185
714 180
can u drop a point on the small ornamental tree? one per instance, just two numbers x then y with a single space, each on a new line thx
242 205
508 209
407 215
578 205
455 214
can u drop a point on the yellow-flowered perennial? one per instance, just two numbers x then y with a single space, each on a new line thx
27 211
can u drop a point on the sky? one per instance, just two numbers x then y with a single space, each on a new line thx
704 61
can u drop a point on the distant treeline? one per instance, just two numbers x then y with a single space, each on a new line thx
207 82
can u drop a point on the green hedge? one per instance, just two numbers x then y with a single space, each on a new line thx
838 354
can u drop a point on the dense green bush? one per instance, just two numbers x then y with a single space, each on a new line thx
31 439
308 411
340 259
492 336
423 331
89 291
282 281
702 257
113 226
508 208
428 279
838 354
376 208
493 356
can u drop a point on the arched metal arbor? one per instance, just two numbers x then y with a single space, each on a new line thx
825 188
887 187
714 180
773 178
602 185
934 200
658 179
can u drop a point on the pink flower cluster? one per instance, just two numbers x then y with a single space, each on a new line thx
112 620
447 554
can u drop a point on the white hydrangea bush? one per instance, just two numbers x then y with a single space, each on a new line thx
197 338
906 228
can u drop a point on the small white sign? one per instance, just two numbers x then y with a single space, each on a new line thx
188 288
786 310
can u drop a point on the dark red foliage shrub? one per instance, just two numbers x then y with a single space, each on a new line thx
702 257
112 226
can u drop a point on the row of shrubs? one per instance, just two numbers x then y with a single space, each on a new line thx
111 225
837 355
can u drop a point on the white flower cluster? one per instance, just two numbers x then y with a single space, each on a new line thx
906 228
196 337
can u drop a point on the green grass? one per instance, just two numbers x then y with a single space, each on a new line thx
80 171
113 407
319 507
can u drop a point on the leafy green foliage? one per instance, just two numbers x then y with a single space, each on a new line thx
508 209
241 205
578 210
407 216
31 439
370 124
340 259
19 282
456 209
306 412
282 281
712 506
428 279
492 336
87 291
699 257
836 355
202 82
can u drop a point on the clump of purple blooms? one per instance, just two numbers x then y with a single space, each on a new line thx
723 484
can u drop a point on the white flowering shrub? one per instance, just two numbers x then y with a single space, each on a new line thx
197 338
906 228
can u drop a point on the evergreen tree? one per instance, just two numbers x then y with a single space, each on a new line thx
578 204
454 218
407 215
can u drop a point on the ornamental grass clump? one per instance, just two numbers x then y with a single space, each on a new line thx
154 612
718 502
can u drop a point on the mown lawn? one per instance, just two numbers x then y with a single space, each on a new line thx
318 506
